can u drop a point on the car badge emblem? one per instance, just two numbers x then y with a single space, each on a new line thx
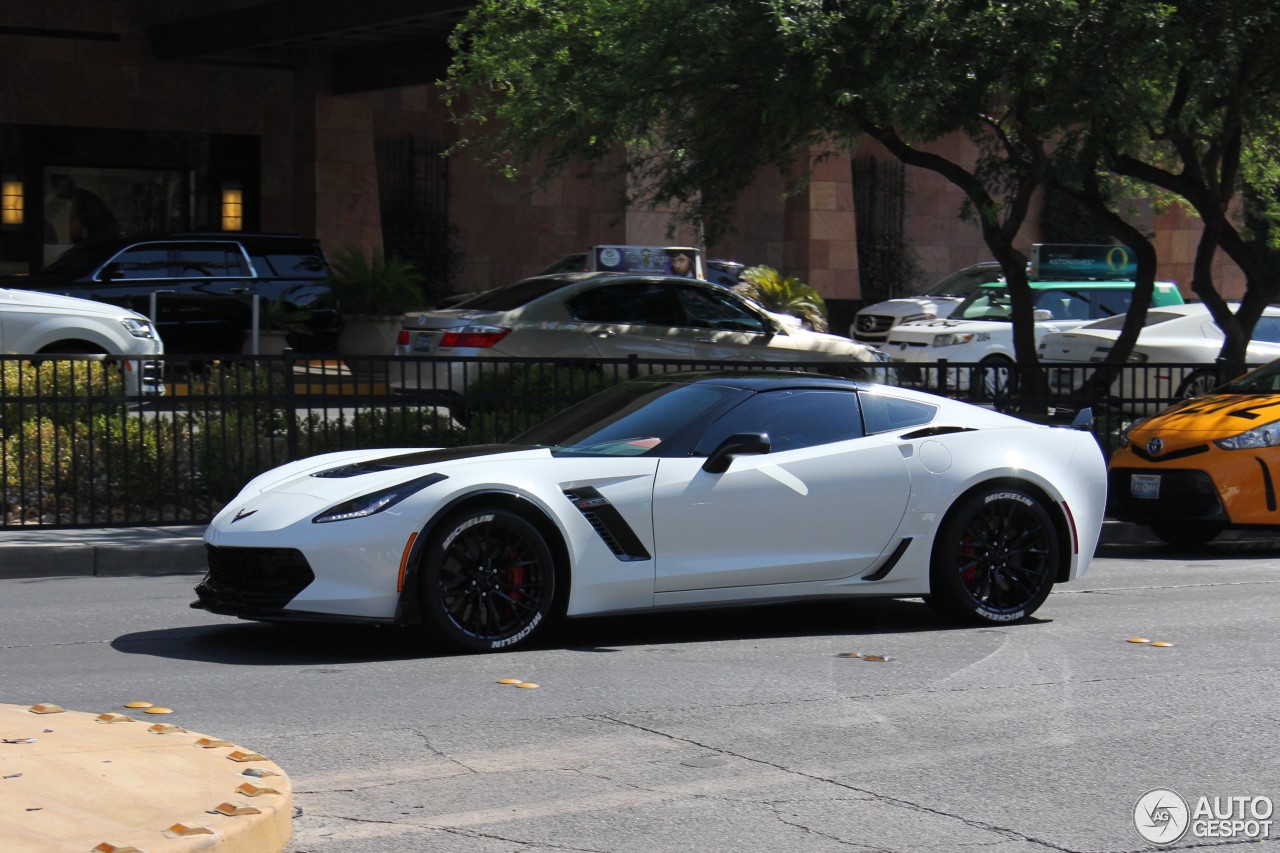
242 513
1155 445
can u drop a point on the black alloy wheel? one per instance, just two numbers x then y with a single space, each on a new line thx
996 557
489 580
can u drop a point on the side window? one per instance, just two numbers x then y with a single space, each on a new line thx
884 413
1112 302
792 419
705 307
138 262
1267 329
209 260
633 302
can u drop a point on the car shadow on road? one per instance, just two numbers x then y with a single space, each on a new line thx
259 644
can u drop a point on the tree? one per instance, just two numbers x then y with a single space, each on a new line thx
1080 95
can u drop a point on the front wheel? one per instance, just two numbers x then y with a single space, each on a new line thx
489 580
996 557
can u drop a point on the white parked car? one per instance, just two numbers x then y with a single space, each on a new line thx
676 491
608 316
980 331
1172 337
872 324
42 323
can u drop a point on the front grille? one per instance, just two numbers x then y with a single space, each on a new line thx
874 323
1184 495
254 578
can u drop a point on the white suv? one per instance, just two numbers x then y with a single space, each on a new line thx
871 325
32 323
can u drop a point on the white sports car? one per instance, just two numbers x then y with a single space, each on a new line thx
672 492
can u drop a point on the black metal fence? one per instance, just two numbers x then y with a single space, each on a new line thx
77 451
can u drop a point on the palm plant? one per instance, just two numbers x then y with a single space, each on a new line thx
784 295
374 286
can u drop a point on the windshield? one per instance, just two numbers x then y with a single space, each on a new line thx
964 282
1264 380
80 260
631 419
987 303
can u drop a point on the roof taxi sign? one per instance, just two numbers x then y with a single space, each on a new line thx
660 260
1062 260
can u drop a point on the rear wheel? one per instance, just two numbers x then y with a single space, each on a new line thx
996 557
489 580
1187 534
1199 383
995 379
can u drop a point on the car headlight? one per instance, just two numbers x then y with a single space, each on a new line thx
1124 433
375 502
138 328
1267 435
954 339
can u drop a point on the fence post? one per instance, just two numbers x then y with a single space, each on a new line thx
290 408
633 365
942 377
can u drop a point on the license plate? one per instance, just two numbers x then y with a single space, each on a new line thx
1145 486
423 342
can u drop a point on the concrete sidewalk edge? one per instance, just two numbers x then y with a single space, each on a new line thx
70 780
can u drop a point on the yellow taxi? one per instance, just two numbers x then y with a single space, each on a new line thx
1204 465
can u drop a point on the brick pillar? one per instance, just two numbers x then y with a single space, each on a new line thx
820 233
336 190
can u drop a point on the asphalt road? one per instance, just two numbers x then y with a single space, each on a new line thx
734 730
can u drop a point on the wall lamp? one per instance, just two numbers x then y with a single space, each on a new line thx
12 204
232 207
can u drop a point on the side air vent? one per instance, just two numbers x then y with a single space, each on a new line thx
608 524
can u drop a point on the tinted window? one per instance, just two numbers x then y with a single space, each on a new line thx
792 419
1110 303
1064 304
705 307
148 261
291 264
631 419
1268 329
632 302
884 413
209 260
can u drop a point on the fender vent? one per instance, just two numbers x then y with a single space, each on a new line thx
608 524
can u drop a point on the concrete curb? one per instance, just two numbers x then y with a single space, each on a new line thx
111 783
105 552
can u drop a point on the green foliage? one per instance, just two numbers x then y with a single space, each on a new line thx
277 315
394 427
47 389
503 403
374 285
785 295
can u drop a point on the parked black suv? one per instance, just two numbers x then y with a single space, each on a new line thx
203 285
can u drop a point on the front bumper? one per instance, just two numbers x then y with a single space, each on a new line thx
252 583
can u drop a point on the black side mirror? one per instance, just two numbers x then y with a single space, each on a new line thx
740 444
110 272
